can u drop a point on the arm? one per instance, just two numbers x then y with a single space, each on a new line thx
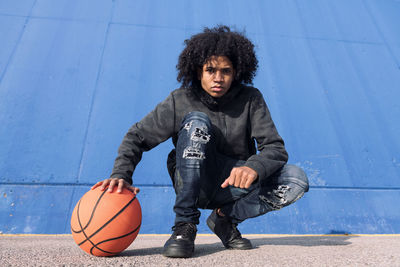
153 129
272 154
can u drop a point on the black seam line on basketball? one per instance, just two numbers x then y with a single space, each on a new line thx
96 245
91 216
80 224
115 238
104 225
77 216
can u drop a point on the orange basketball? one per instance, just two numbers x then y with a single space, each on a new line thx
105 224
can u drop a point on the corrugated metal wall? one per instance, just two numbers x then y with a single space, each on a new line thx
74 75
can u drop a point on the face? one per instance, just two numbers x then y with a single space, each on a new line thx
216 76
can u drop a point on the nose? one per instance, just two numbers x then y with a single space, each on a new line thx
218 76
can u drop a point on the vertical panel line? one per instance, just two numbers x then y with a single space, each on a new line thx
367 7
379 119
336 122
89 118
27 18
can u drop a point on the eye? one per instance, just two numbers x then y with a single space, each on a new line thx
210 70
227 71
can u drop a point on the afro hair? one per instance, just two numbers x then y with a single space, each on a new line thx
218 41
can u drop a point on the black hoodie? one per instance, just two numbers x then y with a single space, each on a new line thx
241 123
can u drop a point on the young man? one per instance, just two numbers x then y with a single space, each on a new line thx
217 124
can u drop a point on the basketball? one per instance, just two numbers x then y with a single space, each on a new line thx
105 224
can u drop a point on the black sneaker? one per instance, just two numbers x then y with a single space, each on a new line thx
181 242
227 232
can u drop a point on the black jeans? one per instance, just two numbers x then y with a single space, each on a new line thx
197 172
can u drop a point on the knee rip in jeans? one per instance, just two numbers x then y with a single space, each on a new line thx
200 135
193 153
188 125
277 198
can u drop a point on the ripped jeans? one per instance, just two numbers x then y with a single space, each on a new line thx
197 172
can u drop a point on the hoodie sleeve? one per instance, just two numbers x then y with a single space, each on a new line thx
272 153
153 129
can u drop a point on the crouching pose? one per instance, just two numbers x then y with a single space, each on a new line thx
217 123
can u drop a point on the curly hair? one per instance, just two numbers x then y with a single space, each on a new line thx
218 41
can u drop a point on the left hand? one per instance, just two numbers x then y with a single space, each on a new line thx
241 177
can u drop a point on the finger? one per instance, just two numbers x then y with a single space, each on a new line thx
111 185
96 185
130 188
238 178
249 182
120 185
243 181
225 183
104 184
237 181
230 180
135 190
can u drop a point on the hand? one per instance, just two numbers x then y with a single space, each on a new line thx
241 177
111 182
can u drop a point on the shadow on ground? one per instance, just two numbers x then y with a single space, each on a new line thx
208 249
200 250
306 241
141 252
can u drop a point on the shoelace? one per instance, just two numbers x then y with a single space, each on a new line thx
183 229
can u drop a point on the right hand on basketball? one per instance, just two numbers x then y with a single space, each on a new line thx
111 182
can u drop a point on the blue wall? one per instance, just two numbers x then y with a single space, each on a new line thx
74 76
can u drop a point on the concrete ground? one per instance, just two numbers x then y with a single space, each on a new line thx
270 250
